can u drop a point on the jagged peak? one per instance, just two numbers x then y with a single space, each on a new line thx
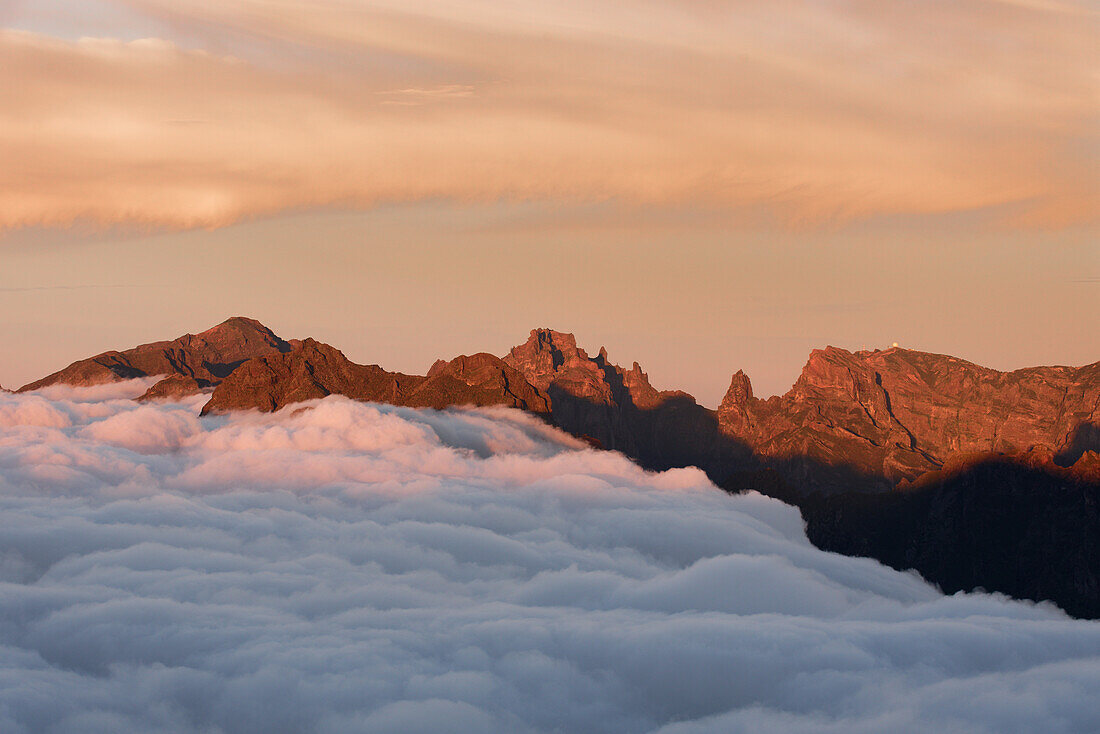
243 321
561 340
314 345
739 393
466 362
890 354
437 366
240 325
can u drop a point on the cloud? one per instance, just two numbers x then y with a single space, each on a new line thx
341 567
123 390
808 112
146 430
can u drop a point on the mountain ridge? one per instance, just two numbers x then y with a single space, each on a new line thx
192 361
881 417
896 454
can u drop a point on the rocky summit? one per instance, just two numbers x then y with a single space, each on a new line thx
188 363
974 477
314 369
885 417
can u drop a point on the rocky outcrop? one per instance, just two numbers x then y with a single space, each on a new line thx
314 369
204 359
479 379
615 407
878 418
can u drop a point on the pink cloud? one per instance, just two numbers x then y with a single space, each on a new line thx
811 113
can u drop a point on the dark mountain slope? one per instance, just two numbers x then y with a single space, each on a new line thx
1003 523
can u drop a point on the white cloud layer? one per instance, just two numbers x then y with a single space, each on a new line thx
344 567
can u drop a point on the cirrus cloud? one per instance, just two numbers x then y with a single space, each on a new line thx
806 111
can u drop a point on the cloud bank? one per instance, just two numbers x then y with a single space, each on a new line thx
805 111
345 567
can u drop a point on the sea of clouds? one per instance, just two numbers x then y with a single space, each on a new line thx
347 567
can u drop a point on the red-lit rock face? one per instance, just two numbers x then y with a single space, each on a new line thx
314 370
898 413
204 359
864 419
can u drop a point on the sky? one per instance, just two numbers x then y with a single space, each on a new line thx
699 186
345 567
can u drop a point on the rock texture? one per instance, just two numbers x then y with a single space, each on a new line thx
204 359
314 369
615 407
873 419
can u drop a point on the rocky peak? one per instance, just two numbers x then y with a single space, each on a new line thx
473 369
641 391
313 369
550 341
477 379
734 411
550 355
205 358
739 393
829 370
543 354
240 335
236 325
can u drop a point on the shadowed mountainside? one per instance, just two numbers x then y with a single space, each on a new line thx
974 477
1010 523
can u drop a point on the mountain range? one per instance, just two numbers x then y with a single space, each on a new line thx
975 478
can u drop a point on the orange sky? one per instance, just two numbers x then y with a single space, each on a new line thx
760 169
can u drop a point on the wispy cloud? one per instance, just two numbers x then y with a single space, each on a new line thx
811 112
